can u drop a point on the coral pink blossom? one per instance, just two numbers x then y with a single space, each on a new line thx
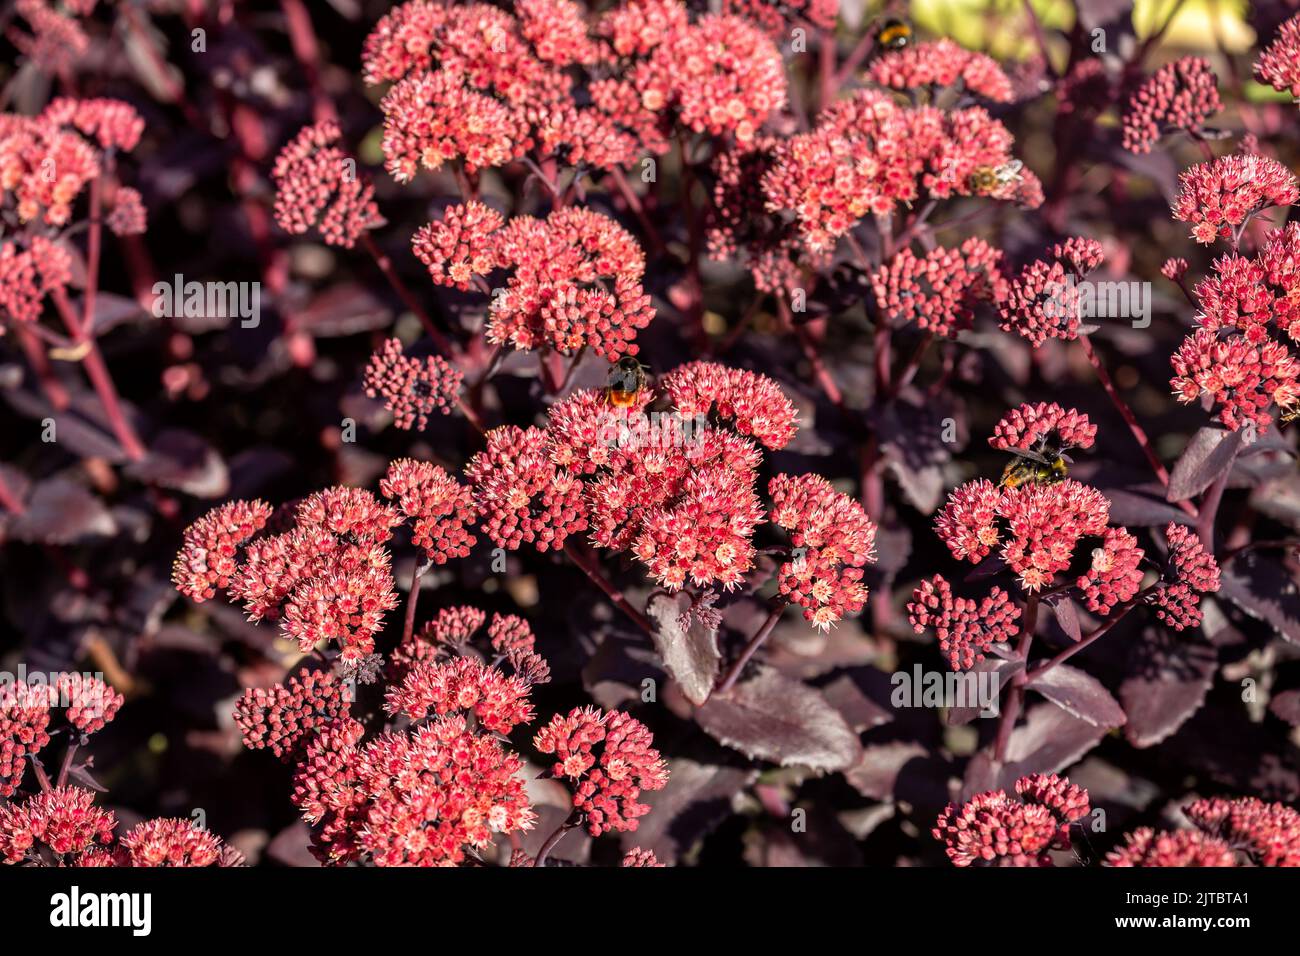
1146 847
1219 197
610 760
411 388
966 628
1180 95
317 185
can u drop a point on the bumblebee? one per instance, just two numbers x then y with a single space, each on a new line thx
894 33
1044 464
989 179
1289 415
627 379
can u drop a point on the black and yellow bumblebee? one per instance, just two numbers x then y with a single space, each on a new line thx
893 33
1043 464
1288 415
627 379
989 179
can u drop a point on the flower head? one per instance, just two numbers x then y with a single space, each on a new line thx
1115 573
754 402
1268 832
410 388
206 561
1146 847
995 829
575 282
27 276
165 842
1279 64
1023 427
966 628
610 760
431 687
461 245
64 820
942 63
1192 571
1219 197
317 185
1043 301
1180 95
940 289
833 540
283 718
24 719
440 506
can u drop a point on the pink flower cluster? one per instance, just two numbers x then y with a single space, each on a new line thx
326 579
996 829
941 289
521 493
1025 426
867 154
317 185
420 798
440 508
1279 64
609 757
284 717
833 541
942 63
1218 198
410 388
62 826
575 282
1192 571
1044 525
1269 833
1248 309
1177 848
965 628
1043 300
461 245
499 703
1180 95
27 276
753 403
1115 574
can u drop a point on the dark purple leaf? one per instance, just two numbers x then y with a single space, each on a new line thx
1067 615
1169 681
1005 669
772 717
861 712
1286 706
184 461
876 772
697 798
690 655
343 309
1208 455
60 511
1139 509
1079 694
1047 742
1262 587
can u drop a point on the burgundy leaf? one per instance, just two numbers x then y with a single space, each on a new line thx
1168 685
182 460
1263 588
61 511
1079 694
1208 455
772 717
690 655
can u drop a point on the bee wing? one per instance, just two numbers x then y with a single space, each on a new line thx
1030 455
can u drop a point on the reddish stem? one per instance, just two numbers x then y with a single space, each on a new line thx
755 642
100 379
1127 413
1016 694
588 564
440 341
